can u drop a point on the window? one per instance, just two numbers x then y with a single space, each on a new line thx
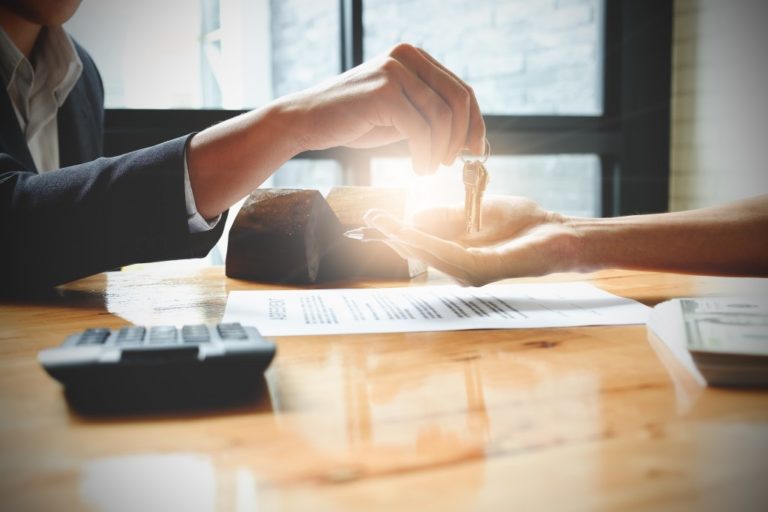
575 92
521 56
566 183
219 54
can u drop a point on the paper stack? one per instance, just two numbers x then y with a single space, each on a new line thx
723 338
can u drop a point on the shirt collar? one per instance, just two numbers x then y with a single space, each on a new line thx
56 55
10 58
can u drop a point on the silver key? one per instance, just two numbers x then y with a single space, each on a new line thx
475 181
475 178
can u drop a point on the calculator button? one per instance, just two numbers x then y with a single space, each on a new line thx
133 334
162 334
232 331
195 333
93 336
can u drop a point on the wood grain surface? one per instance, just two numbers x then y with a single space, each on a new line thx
584 418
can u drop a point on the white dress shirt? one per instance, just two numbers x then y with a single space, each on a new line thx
38 91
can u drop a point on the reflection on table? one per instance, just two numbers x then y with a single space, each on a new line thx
552 419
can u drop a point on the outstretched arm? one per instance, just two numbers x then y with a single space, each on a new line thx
405 94
103 214
521 239
731 239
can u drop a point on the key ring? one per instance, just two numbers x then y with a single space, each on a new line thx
483 157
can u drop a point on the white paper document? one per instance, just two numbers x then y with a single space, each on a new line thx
430 308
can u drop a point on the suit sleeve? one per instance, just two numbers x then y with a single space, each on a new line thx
88 218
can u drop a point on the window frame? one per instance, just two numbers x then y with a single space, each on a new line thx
631 137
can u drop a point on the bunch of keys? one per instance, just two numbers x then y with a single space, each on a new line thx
475 182
475 178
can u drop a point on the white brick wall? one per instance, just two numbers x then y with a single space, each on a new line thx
305 43
521 56
719 146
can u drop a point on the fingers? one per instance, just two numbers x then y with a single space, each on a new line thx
446 256
462 275
445 101
410 121
383 221
475 135
451 90
436 118
405 95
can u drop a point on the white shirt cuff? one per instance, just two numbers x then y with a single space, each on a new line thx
195 221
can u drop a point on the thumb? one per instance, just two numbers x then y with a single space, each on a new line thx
383 221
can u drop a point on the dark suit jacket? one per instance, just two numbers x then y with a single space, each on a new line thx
95 213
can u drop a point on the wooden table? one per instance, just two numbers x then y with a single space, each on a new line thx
539 419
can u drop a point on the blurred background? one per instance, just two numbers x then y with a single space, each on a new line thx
594 107
531 57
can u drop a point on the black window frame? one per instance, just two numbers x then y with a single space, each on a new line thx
631 137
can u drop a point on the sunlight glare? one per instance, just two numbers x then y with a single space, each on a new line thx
442 188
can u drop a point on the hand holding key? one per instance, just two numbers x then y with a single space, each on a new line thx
403 95
475 177
517 238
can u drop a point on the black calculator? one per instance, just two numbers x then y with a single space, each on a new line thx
141 365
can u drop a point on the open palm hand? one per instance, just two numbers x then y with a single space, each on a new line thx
518 238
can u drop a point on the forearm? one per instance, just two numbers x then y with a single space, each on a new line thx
87 218
402 95
729 240
229 160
